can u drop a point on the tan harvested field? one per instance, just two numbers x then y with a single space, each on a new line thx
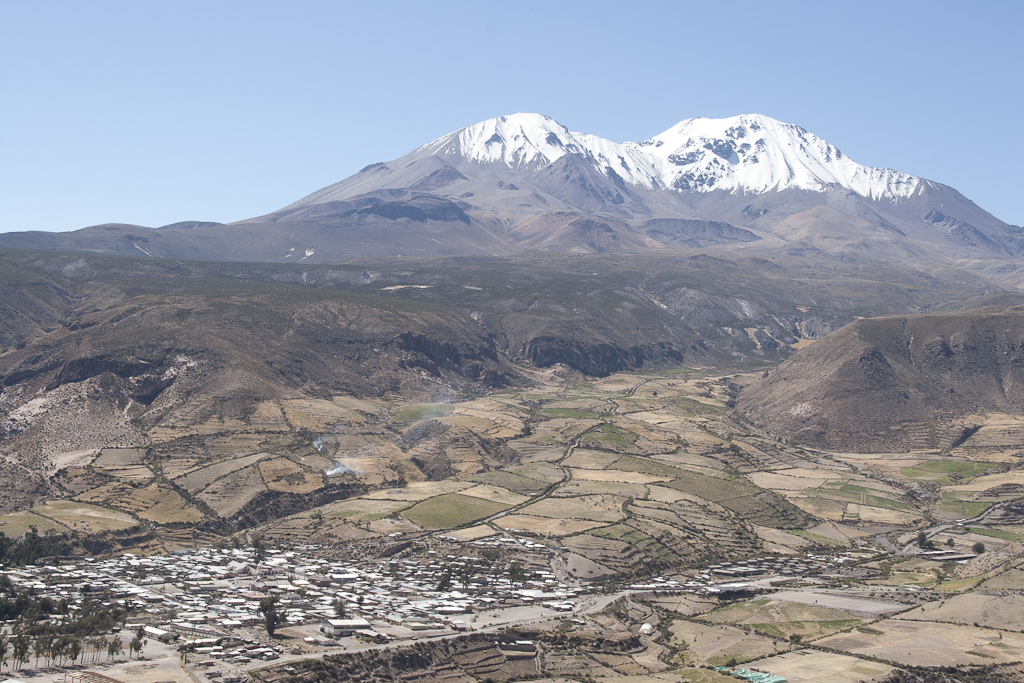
87 518
420 490
281 474
509 480
686 605
990 481
268 417
618 475
594 508
362 509
780 481
779 541
197 480
848 603
496 494
132 473
300 482
532 452
993 611
784 619
318 414
927 643
118 457
497 425
881 515
543 472
1011 579
215 425
716 645
223 446
546 526
393 525
812 666
107 493
171 508
229 495
663 494
581 487
590 460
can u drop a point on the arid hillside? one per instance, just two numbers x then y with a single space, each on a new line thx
896 383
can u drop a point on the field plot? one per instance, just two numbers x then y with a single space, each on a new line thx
583 487
495 494
990 481
420 490
582 458
533 452
17 523
992 611
546 526
618 476
509 480
318 414
593 508
88 518
360 510
927 643
268 418
229 495
947 471
611 437
812 666
171 508
451 510
717 645
197 480
281 474
782 620
783 480
848 603
118 457
486 419
223 446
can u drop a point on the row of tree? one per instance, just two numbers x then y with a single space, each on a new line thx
65 649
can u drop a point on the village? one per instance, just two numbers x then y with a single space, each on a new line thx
210 608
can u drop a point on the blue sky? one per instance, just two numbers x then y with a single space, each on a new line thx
155 112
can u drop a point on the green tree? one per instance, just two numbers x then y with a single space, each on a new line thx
516 573
138 642
268 608
446 579
340 607
115 647
3 651
259 550
20 649
978 548
949 543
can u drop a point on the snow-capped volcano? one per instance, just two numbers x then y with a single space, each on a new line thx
749 153
754 153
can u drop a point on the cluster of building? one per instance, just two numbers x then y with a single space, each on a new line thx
216 593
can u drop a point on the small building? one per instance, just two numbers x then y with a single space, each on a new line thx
343 627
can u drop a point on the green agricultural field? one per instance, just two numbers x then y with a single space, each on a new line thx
422 411
609 437
451 510
946 471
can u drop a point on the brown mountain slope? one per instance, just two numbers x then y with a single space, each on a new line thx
897 382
